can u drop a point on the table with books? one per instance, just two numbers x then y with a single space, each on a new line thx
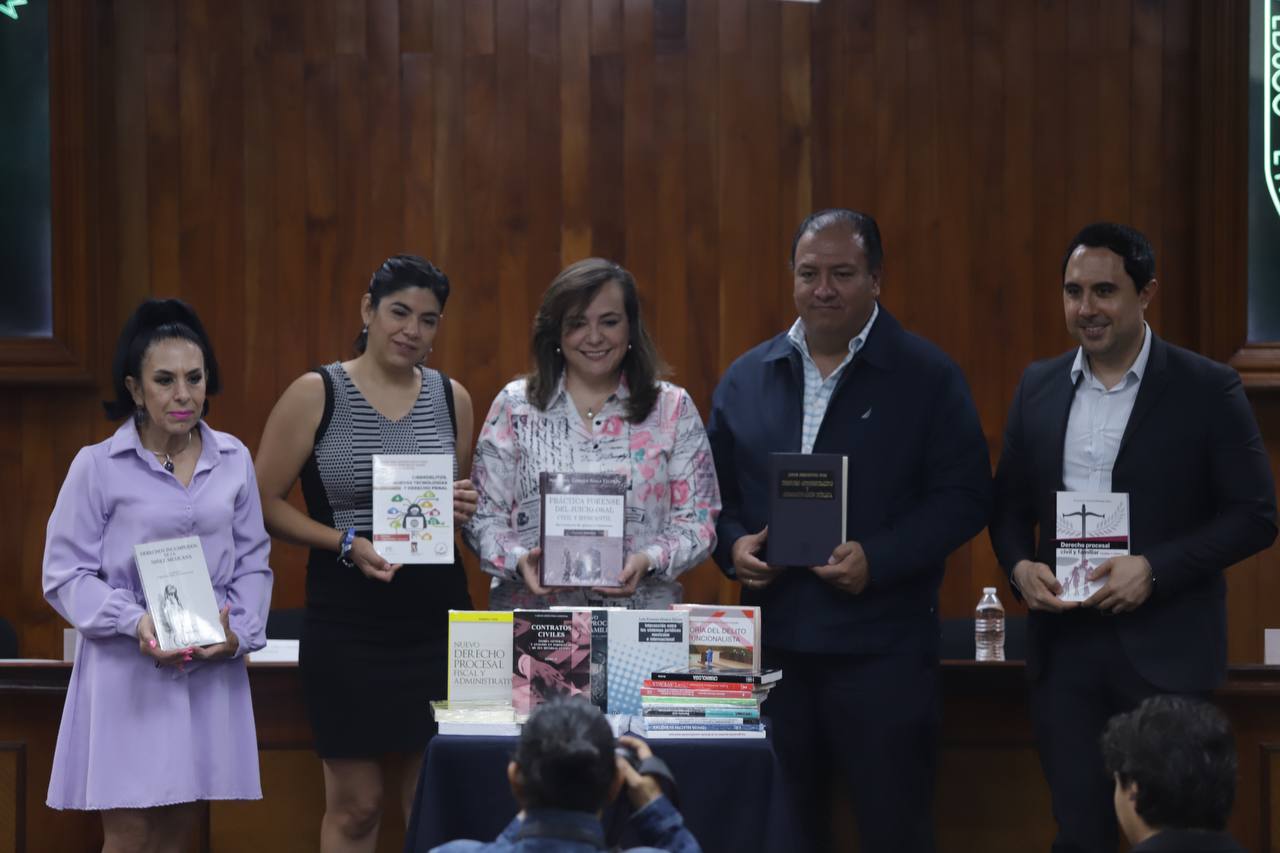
731 792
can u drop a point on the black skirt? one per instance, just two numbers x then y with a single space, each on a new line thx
370 668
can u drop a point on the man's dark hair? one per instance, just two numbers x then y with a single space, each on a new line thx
863 225
153 321
1182 755
1130 244
397 273
566 756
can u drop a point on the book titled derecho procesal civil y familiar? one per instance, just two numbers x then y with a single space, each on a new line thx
413 507
808 499
583 524
175 581
1092 527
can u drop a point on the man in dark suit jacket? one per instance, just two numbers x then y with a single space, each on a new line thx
1124 413
857 637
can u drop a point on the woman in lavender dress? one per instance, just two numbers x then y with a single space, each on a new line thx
147 734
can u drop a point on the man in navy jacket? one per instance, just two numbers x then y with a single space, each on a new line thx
1125 412
857 638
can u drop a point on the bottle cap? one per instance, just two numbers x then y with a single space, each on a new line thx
988 589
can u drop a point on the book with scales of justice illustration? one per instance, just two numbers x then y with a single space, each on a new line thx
1092 527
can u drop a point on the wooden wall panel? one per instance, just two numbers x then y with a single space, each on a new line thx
260 159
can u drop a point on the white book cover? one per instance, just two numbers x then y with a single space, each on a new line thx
639 642
175 581
1092 527
413 507
479 656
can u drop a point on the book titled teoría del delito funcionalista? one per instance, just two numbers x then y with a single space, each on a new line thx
583 524
1092 527
413 507
175 581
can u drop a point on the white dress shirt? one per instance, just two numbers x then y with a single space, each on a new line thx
817 391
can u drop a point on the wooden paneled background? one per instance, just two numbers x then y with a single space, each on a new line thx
260 158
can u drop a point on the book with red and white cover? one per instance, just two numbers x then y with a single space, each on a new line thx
725 637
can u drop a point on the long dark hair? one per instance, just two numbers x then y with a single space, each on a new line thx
398 272
572 290
152 321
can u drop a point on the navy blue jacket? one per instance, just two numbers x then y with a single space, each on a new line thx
1201 498
658 825
919 484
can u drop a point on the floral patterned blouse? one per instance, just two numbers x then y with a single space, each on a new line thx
672 501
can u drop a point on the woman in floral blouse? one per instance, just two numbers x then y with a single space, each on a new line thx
594 403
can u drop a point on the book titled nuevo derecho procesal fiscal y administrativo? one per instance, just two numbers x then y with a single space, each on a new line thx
479 656
175 581
583 523
808 496
413 507
1092 527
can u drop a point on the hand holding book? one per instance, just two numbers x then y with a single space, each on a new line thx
370 563
465 501
150 646
847 568
633 571
530 569
225 649
753 572
1129 584
1040 587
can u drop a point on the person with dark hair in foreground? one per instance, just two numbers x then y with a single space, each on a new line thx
1174 764
148 734
565 771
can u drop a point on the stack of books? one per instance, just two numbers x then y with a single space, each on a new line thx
705 702
495 719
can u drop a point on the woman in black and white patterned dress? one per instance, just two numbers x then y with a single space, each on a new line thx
374 637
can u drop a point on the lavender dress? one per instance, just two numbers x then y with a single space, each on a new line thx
132 735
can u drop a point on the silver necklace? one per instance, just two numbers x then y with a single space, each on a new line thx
168 458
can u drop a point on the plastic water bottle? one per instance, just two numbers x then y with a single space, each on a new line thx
988 626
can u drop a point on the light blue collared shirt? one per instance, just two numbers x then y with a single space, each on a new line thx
817 391
1097 421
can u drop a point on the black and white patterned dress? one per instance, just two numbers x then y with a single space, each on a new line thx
373 653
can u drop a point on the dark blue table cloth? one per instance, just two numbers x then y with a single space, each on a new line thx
731 793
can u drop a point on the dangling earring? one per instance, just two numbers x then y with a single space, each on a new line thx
139 415
628 347
365 330
557 350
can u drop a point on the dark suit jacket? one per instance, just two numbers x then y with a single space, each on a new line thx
1188 841
1201 498
919 484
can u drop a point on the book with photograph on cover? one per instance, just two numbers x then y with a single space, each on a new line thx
413 507
551 656
723 636
1092 527
179 593
583 525
808 496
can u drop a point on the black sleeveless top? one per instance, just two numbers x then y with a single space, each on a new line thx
337 484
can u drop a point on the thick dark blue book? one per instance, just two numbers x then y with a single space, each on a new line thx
808 495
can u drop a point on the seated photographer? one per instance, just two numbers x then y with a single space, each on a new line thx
1174 763
565 771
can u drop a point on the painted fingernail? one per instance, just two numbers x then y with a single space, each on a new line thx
152 642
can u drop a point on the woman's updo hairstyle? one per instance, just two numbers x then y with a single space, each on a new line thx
398 272
566 756
157 320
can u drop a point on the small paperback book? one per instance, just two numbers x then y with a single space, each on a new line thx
175 581
551 656
583 522
808 496
413 507
1092 528
727 637
479 656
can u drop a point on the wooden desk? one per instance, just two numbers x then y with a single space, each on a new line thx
991 795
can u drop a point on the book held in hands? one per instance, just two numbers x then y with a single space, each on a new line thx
179 593
808 497
1092 527
413 507
583 523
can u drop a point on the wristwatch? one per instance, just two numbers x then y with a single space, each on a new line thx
344 549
